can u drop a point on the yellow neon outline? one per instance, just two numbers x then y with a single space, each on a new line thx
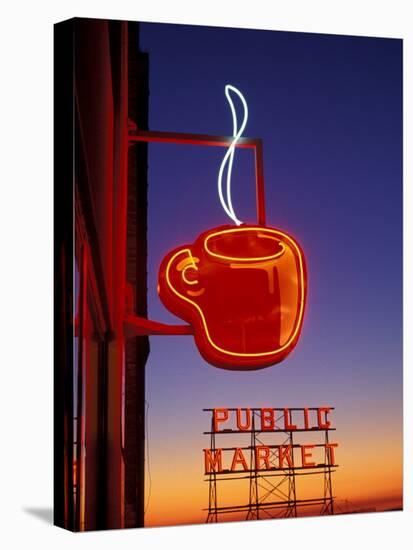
240 354
196 292
188 281
185 265
235 258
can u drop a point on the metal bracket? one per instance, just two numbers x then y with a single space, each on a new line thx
139 326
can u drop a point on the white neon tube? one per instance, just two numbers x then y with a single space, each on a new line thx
229 155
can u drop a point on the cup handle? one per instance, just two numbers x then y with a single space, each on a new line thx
178 273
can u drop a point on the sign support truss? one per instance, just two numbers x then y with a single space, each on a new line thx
272 493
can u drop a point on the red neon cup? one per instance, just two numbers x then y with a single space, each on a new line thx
243 291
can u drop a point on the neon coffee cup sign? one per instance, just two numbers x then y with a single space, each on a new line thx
242 288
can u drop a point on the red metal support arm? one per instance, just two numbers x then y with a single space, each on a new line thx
191 139
138 326
213 141
135 326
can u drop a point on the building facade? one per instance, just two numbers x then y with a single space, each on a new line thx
101 92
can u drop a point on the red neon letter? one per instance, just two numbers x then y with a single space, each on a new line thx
213 464
287 421
306 418
267 419
262 452
238 459
218 419
247 425
285 451
305 455
330 447
326 424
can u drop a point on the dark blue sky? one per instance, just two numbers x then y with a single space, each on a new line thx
329 111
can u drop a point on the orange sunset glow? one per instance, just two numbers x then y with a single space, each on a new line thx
368 477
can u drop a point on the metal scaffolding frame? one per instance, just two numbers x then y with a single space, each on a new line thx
272 492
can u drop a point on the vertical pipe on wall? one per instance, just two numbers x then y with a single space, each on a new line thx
63 510
80 410
260 191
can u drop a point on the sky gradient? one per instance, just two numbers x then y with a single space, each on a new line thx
329 111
